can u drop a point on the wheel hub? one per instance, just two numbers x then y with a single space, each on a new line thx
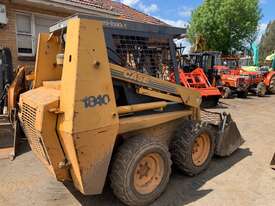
201 149
144 170
148 173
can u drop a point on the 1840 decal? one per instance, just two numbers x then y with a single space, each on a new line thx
93 101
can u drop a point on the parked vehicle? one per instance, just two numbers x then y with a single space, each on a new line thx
267 72
192 76
219 75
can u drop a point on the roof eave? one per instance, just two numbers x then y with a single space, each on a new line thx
65 5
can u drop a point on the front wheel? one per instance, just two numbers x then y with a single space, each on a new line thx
192 148
261 89
141 171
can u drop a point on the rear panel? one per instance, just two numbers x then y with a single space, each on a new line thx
89 124
39 125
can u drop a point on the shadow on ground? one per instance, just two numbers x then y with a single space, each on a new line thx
181 189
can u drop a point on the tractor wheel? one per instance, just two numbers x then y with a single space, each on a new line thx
193 147
226 93
243 94
141 171
272 85
261 89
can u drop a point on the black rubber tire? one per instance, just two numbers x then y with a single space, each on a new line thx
124 165
242 94
227 93
271 88
261 89
182 144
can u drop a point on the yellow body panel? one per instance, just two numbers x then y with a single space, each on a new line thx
45 65
88 129
146 121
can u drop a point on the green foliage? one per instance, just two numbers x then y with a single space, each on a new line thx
267 45
225 24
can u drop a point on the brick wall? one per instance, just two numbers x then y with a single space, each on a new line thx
8 32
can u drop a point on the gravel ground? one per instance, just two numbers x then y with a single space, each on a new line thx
243 179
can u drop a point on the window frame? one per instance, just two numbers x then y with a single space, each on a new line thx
33 15
31 34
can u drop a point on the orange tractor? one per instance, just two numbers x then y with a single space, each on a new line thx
260 82
199 81
193 75
231 82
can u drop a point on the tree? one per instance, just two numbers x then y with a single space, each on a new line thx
267 44
225 24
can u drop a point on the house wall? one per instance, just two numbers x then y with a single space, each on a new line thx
8 32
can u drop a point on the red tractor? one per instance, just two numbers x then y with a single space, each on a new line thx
230 82
267 72
220 77
260 81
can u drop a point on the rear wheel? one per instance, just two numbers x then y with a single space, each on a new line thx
141 171
272 85
192 148
261 89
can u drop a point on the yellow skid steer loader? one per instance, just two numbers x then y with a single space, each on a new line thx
96 111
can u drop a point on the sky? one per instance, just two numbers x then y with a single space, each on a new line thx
178 12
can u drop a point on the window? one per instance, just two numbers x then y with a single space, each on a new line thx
24 35
28 27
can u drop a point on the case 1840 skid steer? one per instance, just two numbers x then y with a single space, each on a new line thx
87 118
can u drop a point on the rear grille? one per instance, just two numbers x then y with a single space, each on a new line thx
34 137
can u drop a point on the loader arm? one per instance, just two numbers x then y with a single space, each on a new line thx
189 97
